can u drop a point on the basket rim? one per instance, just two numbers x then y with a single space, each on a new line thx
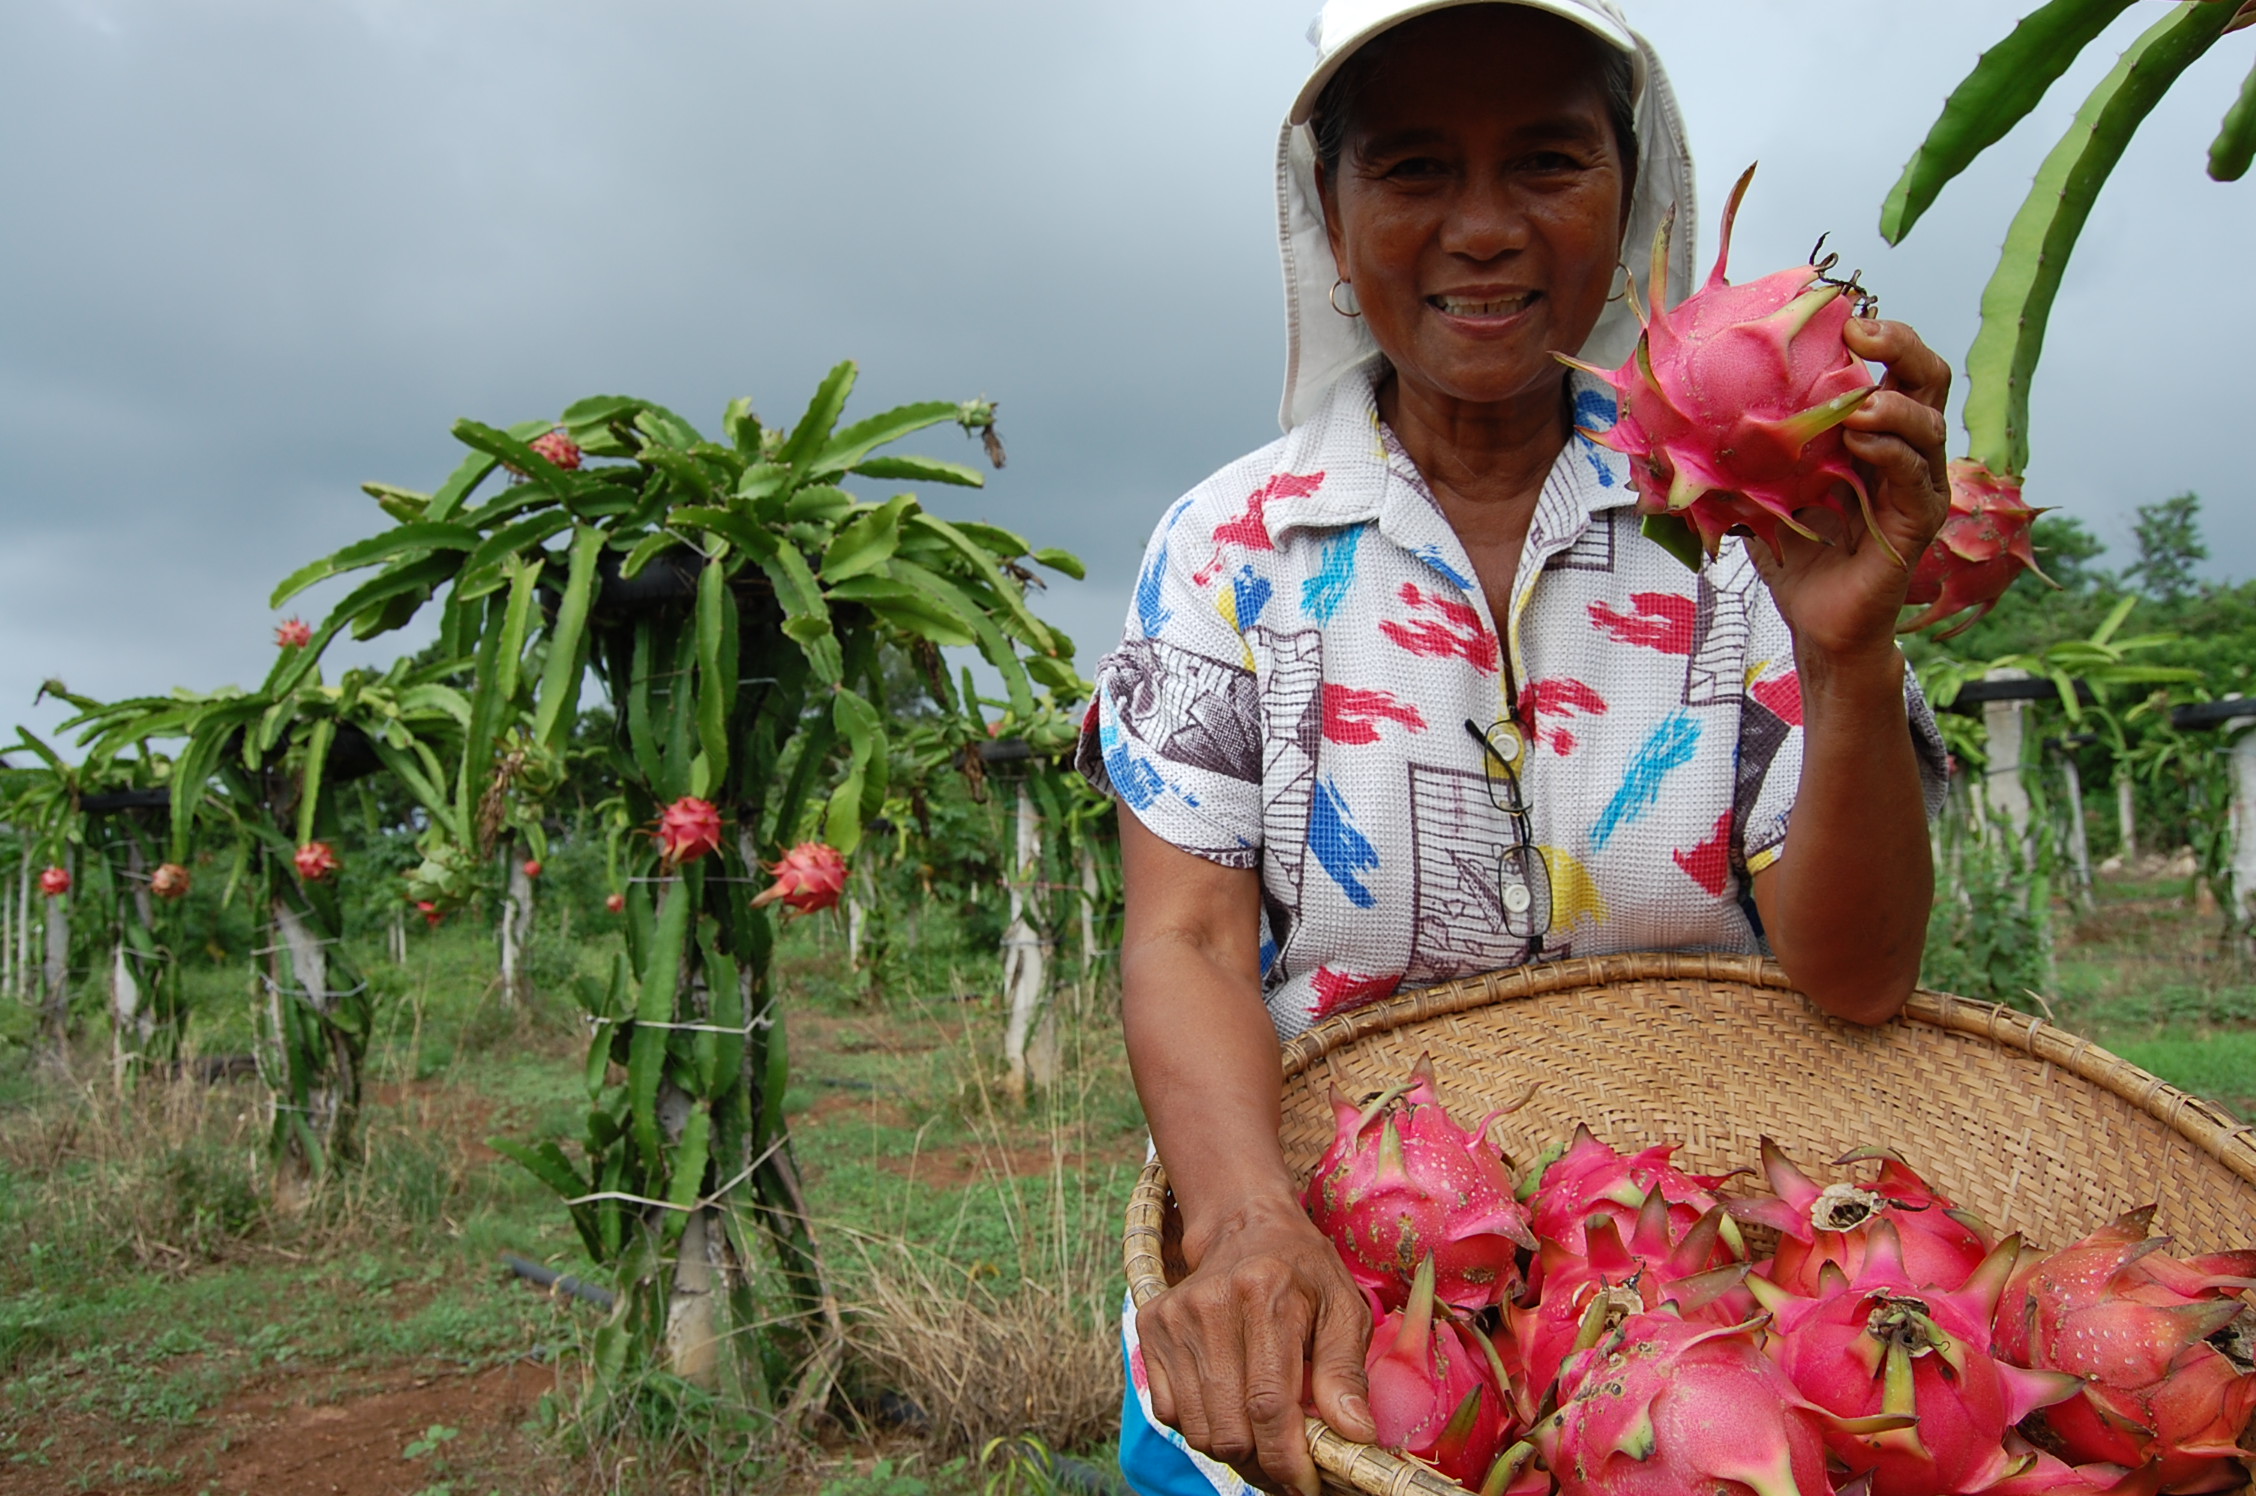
1364 1467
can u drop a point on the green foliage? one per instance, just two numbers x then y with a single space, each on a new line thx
2168 534
1985 940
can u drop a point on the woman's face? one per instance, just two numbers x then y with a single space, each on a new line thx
1478 204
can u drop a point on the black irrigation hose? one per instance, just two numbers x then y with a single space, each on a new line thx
556 1282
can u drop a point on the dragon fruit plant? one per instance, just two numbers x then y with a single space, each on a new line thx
1892 1345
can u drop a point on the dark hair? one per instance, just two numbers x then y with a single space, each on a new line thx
1335 106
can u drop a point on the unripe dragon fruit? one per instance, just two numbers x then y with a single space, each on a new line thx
809 877
559 449
169 881
1434 1390
1981 550
315 861
1729 406
1666 1407
532 867
293 633
616 903
2164 1345
1887 1345
1590 1179
1402 1184
688 829
1942 1245
55 882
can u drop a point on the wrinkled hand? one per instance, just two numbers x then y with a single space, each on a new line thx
1267 1319
1842 599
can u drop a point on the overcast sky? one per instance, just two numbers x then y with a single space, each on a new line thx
253 252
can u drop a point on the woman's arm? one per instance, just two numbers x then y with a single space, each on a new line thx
1226 1347
1846 903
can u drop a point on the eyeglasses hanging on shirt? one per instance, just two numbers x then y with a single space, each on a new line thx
1523 878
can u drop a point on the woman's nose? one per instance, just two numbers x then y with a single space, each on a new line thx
1484 222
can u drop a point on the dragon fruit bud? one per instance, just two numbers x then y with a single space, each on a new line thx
810 877
1664 1406
688 829
55 882
2163 1344
1942 1245
430 911
560 450
1982 548
315 860
169 881
293 633
1589 1179
1432 1392
1730 407
532 867
1885 1347
616 903
1402 1184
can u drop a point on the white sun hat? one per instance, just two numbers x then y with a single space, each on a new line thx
1323 347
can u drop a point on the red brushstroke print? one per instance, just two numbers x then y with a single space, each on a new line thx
1557 697
1456 633
1338 991
1250 530
1783 695
1663 621
1352 717
1709 864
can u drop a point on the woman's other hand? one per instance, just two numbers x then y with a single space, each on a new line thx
1843 596
1266 1321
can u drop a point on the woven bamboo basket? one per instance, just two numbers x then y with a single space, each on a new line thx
2030 1127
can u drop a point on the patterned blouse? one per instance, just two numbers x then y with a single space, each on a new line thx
1312 684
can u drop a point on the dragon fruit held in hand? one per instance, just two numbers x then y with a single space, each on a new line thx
1402 1184
1886 1344
169 881
2164 1345
1666 1407
1433 1393
1942 1245
55 882
1981 550
315 860
1729 406
688 829
809 877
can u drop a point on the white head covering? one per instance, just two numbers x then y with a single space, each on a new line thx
1322 346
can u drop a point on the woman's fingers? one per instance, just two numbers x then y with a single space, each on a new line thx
1913 367
1276 1345
1337 1384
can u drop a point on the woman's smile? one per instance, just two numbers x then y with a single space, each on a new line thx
1484 312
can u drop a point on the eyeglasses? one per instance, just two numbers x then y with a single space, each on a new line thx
1523 878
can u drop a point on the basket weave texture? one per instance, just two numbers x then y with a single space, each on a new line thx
2033 1129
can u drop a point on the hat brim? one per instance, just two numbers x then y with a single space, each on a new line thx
1390 16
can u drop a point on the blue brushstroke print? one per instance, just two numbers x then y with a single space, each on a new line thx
1433 557
1343 850
1150 610
1268 954
1252 594
1595 410
1322 594
1133 779
1669 748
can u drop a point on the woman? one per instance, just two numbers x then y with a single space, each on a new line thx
1407 695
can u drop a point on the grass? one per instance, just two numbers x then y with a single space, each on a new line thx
148 1297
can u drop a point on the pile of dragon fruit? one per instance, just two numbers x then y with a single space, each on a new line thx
1601 1326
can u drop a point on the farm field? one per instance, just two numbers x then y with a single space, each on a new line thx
160 1331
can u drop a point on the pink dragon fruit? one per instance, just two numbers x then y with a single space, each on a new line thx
559 449
1885 1344
688 829
431 912
1942 1244
811 876
315 861
293 633
1590 1179
1982 549
533 867
55 882
616 903
169 881
1665 1407
1435 1391
2164 1345
1729 406
1402 1184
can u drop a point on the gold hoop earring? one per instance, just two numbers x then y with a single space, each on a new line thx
1343 311
1627 281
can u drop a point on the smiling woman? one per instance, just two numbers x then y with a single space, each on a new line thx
1408 695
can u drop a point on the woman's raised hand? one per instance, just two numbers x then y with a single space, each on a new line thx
1842 596
1266 1321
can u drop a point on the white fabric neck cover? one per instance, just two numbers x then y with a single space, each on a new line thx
1323 347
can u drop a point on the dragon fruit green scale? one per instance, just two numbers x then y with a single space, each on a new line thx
1731 403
